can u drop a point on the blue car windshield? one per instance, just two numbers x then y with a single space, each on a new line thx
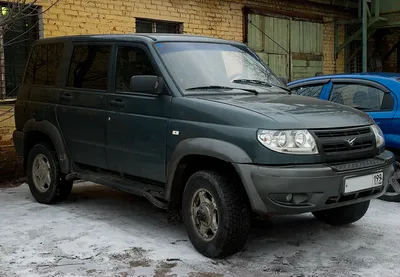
214 65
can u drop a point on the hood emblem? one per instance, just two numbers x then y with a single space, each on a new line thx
350 141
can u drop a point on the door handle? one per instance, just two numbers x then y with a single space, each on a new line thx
117 102
66 96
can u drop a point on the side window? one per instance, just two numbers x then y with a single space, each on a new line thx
310 91
89 67
131 61
43 64
362 97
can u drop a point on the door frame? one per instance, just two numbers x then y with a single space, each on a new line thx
288 15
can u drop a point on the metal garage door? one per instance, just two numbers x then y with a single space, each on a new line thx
292 48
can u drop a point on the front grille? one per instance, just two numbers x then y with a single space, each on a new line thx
346 143
344 146
342 133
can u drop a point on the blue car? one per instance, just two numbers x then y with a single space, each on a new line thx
377 94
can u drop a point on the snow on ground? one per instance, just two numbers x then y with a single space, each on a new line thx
101 232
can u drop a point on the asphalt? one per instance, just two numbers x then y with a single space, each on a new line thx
101 232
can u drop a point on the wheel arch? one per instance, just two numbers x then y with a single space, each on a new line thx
194 154
35 131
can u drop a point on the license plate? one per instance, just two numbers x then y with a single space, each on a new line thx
363 182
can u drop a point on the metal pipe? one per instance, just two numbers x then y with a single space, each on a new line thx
364 35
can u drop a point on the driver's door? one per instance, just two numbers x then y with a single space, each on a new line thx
136 122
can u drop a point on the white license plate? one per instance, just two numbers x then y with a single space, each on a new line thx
363 182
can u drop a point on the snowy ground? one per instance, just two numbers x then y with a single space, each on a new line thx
100 232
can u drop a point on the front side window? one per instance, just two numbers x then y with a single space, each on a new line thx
362 97
131 61
89 67
43 64
310 91
196 65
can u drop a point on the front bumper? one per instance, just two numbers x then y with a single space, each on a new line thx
312 187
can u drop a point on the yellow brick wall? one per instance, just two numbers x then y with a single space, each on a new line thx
223 19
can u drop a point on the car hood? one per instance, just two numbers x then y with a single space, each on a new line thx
293 111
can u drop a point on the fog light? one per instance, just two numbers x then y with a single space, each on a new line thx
289 197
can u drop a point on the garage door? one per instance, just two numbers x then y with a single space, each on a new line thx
291 48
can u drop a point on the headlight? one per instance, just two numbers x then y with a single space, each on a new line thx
379 137
291 141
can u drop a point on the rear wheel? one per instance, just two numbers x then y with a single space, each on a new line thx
394 181
343 215
46 183
216 214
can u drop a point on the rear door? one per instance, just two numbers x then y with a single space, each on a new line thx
370 97
81 112
136 122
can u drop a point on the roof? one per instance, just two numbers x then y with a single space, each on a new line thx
138 37
369 76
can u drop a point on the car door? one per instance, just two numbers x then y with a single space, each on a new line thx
367 96
136 122
81 111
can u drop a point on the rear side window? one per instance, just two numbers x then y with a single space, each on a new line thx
310 91
89 67
362 97
43 64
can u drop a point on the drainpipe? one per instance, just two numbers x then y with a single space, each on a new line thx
364 34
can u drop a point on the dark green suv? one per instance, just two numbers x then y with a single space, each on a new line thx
198 126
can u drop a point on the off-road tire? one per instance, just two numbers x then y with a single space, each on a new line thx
234 214
343 215
59 188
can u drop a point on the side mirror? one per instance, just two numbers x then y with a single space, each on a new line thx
283 80
146 84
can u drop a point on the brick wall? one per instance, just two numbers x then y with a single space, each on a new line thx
10 164
223 19
390 65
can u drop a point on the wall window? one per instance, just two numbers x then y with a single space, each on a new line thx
131 61
158 26
310 91
362 97
89 67
43 64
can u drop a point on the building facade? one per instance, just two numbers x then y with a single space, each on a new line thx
295 37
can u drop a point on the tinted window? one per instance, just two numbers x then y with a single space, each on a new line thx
362 97
311 91
89 67
43 64
131 61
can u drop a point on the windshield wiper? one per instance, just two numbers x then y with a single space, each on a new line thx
250 81
223 87
258 82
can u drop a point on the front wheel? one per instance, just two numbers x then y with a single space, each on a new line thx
343 215
216 214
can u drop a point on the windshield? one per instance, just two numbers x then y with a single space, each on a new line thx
198 66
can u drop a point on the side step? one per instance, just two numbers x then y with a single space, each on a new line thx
153 193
